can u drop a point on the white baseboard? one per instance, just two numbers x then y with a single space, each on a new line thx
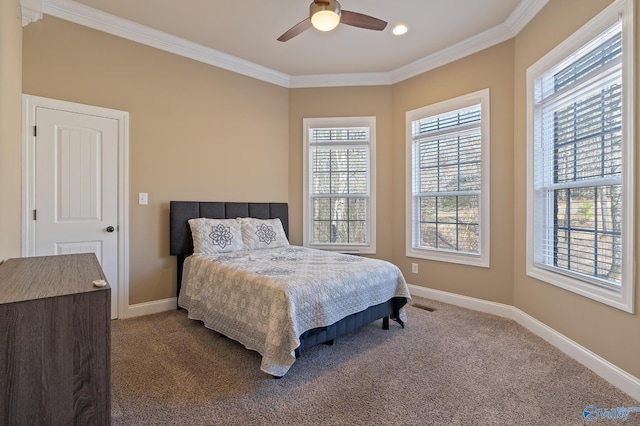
608 371
154 307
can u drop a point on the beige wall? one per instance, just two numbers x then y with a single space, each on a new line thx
492 69
609 332
344 102
196 132
10 128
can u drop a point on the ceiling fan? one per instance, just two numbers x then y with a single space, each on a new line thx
325 15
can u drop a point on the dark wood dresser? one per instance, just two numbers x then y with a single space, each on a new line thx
55 341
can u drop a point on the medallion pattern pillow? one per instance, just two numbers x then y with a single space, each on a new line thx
262 233
212 236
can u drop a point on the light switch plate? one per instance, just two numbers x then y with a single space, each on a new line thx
143 198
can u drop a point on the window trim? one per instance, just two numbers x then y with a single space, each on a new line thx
307 220
482 259
624 300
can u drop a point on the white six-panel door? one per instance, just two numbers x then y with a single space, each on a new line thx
75 189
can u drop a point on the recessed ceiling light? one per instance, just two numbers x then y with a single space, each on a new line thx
400 29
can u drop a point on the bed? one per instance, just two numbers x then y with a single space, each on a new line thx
261 297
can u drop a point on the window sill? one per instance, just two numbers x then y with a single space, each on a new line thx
450 257
344 249
600 294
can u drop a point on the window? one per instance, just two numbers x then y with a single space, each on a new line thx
580 162
339 187
448 180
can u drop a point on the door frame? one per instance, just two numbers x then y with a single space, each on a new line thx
29 105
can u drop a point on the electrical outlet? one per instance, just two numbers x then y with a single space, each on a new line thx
414 268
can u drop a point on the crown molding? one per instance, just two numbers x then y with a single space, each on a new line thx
30 11
340 80
80 14
472 45
515 22
29 15
101 21
523 13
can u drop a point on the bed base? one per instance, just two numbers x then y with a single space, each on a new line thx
327 335
351 323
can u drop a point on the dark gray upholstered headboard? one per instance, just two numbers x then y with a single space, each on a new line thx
180 241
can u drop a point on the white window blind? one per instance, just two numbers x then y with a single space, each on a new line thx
339 184
446 144
578 167
579 183
447 180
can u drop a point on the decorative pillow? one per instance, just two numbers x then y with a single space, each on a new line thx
262 233
212 236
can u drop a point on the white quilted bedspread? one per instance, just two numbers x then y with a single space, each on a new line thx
265 299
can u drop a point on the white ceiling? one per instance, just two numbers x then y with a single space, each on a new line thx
240 35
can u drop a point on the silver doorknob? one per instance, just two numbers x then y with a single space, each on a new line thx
110 229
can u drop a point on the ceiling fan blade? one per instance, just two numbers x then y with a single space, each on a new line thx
295 30
360 20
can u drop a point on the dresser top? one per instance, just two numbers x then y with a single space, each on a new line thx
31 278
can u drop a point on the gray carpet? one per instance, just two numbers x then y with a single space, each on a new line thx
450 366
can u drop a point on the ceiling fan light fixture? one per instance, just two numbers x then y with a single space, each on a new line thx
325 16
